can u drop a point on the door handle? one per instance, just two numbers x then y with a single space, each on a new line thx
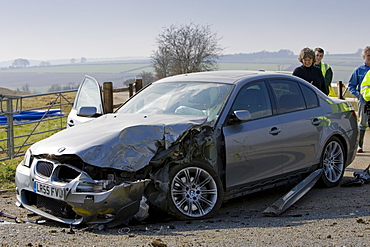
274 131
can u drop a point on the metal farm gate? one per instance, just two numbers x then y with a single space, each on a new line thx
27 119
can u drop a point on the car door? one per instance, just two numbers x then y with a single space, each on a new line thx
88 103
300 114
253 148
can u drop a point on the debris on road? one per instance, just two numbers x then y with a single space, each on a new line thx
360 178
7 215
293 195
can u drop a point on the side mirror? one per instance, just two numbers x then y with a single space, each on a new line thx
240 116
87 111
243 115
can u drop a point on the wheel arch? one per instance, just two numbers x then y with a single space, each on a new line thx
333 168
344 143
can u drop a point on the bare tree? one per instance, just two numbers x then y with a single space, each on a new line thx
186 49
55 88
147 77
20 63
44 64
161 60
26 88
70 86
129 81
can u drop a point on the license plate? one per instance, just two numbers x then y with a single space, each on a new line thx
49 190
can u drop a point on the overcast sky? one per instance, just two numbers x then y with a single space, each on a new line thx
65 29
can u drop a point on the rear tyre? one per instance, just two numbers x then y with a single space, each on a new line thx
195 191
333 163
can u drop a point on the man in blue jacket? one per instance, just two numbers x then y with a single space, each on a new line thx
354 88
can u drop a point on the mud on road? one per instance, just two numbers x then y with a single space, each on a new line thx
338 216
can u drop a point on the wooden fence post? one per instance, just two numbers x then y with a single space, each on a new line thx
108 96
340 90
138 84
131 90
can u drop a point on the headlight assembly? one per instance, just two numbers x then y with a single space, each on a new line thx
28 158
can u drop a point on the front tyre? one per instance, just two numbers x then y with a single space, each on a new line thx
333 163
195 191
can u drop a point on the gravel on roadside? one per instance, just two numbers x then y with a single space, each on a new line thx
338 216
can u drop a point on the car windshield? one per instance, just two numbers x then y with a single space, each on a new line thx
183 98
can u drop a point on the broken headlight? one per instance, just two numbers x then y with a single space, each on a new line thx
96 186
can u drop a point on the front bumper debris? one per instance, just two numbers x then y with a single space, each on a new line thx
112 207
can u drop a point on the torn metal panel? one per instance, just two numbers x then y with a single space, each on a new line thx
293 195
157 193
126 142
199 144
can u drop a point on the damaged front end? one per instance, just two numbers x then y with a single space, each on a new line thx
67 193
199 144
100 181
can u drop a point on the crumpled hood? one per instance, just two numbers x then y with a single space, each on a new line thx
121 141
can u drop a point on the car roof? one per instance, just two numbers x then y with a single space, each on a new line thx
225 76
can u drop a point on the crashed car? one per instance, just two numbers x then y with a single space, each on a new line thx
183 145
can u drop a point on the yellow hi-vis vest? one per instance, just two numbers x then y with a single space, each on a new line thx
365 87
324 68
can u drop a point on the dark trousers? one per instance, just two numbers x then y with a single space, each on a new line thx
367 110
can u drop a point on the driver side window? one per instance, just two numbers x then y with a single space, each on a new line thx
254 98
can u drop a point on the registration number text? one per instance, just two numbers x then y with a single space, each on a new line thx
49 191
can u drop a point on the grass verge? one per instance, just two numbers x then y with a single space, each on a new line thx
7 173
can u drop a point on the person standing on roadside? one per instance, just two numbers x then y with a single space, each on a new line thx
326 70
307 71
354 88
365 93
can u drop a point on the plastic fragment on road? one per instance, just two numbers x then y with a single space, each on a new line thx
7 215
360 178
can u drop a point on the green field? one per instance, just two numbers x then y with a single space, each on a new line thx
253 66
40 79
85 68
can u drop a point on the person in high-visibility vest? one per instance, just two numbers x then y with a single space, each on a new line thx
365 92
326 70
354 86
365 87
